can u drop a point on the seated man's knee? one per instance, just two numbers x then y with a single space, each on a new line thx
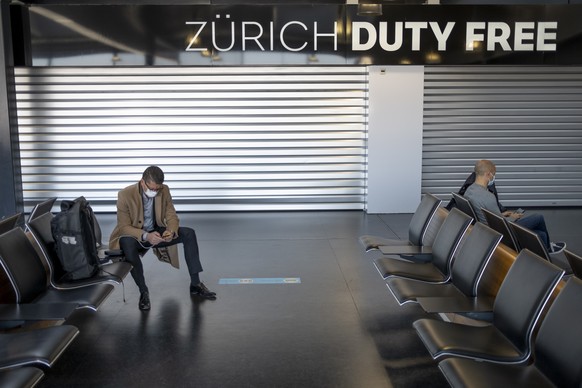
130 247
127 242
186 233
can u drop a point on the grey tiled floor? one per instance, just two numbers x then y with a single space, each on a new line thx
339 327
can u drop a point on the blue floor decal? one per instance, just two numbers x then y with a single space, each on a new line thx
260 281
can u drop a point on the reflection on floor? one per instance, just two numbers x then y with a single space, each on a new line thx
336 327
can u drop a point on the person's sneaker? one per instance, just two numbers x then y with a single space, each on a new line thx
557 247
144 301
201 290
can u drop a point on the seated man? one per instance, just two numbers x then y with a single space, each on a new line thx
146 218
480 197
468 182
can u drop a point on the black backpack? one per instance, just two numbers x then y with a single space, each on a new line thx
74 237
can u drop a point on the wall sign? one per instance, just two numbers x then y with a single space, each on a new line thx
204 35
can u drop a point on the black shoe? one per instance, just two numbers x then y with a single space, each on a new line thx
144 301
201 290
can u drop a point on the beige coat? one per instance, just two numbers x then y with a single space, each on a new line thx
130 219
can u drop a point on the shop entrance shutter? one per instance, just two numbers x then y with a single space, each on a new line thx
528 120
260 138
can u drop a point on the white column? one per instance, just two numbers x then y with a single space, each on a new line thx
395 138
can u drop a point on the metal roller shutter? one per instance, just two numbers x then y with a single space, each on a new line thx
528 120
283 138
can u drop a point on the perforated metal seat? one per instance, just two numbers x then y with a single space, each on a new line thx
9 223
30 280
41 208
521 299
25 377
37 347
575 262
465 206
527 239
501 225
445 245
416 230
467 267
557 352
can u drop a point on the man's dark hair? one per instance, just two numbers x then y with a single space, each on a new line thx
153 174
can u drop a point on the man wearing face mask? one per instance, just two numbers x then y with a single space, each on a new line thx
146 218
481 198
468 182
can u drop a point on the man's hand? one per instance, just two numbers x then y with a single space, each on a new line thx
167 236
154 238
511 214
516 215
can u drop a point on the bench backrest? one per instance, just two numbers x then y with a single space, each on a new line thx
24 267
41 208
465 206
9 223
500 224
529 240
558 344
472 258
422 217
526 289
448 239
575 262
40 228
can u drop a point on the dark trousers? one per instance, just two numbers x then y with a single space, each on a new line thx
132 249
537 224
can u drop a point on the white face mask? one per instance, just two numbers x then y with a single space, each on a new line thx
150 193
492 181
